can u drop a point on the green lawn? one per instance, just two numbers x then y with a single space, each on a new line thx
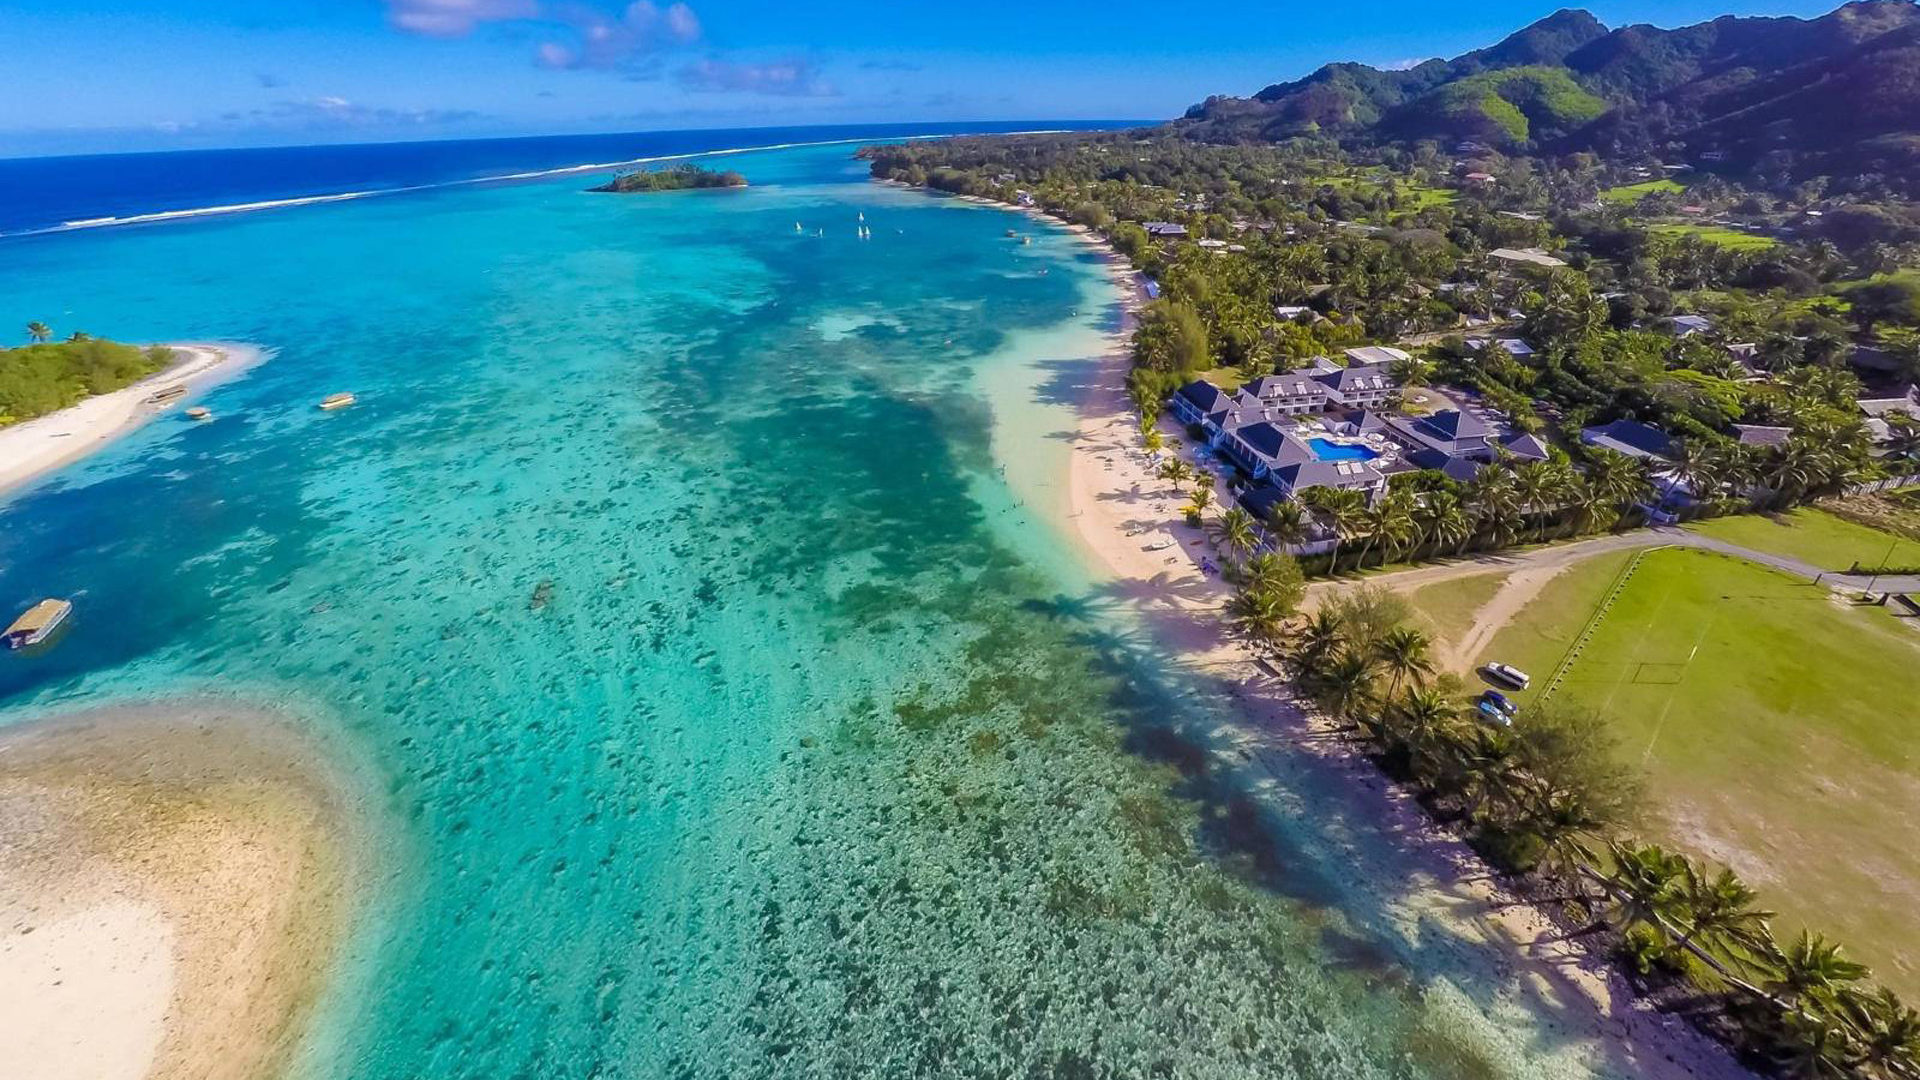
1447 607
1714 234
1816 537
1633 193
1775 725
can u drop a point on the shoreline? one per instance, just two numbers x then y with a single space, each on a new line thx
33 449
1115 509
178 883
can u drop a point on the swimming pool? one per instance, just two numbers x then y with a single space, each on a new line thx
1327 450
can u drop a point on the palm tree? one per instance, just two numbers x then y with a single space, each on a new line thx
1444 519
1176 470
1345 688
1343 510
1811 970
1888 1032
1495 500
1646 884
1289 524
38 331
1534 486
1202 496
1721 915
1261 614
1423 719
1403 651
1694 466
1321 638
1234 532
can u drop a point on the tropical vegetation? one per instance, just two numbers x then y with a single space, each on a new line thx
48 376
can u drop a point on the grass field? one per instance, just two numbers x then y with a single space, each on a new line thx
1447 607
1816 537
1776 727
1633 193
1714 234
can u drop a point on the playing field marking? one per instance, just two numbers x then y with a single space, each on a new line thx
1660 724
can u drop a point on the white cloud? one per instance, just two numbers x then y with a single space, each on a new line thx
1407 64
455 18
785 78
606 41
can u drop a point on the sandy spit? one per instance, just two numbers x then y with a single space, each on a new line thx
175 883
34 448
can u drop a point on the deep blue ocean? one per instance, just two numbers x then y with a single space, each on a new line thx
739 706
48 193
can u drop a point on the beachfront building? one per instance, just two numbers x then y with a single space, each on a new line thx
1270 453
1459 443
1165 230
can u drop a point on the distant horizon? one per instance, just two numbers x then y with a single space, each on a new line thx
1044 123
88 81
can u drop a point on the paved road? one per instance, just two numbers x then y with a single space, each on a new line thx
1562 554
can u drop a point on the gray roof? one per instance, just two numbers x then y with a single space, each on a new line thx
1630 437
1359 377
1525 446
1762 435
1286 384
1204 395
1313 473
1273 443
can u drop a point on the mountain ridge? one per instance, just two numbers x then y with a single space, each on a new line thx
1777 92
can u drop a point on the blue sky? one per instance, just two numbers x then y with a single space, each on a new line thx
102 75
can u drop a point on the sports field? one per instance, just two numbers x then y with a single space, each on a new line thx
1779 728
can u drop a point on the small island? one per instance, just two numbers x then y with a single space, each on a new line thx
678 178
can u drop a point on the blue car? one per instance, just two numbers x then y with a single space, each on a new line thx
1497 707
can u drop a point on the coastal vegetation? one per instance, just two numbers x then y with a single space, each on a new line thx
1730 683
677 178
48 376
1745 308
1558 799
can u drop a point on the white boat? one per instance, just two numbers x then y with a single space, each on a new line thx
336 401
37 624
1161 544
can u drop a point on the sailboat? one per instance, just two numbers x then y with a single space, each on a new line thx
798 229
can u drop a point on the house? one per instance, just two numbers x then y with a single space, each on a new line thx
1685 326
1761 435
1630 437
1213 245
1291 311
1165 230
1513 347
1361 385
1200 403
1481 179
1376 354
1878 411
1526 257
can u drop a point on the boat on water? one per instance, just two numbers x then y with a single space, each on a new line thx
1011 233
336 401
199 412
37 624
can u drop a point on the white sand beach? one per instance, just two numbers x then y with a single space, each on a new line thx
175 881
1118 509
34 448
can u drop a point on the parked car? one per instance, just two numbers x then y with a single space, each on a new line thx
1501 702
1510 675
1492 713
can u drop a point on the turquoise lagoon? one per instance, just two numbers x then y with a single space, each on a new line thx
733 713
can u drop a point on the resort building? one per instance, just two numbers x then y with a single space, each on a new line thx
1165 230
1761 435
1459 443
1267 452
1632 438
